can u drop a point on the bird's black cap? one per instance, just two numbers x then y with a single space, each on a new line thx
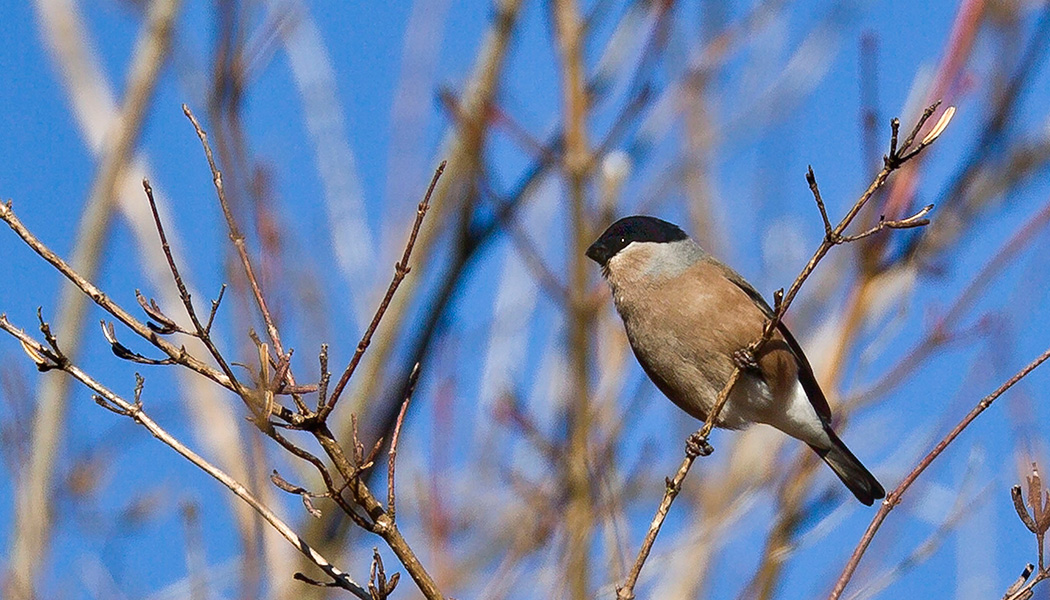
637 228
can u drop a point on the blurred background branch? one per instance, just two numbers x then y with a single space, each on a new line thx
534 450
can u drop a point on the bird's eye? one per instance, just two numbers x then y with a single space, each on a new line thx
623 240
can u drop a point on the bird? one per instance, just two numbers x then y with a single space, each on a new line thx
690 320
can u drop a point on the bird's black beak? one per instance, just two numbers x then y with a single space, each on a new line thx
598 253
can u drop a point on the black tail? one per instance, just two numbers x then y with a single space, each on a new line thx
858 479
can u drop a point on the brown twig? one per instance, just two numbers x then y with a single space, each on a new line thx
1038 522
917 220
697 444
100 298
381 524
184 294
214 309
135 412
326 376
378 585
236 236
400 270
335 493
391 503
894 498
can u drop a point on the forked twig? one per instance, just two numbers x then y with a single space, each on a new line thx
134 410
107 304
184 294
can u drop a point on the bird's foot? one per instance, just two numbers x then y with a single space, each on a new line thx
745 360
696 445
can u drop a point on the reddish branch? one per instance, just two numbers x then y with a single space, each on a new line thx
894 497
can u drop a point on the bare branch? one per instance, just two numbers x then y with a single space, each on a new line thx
134 411
400 270
894 497
235 234
917 220
184 294
811 178
8 216
392 456
378 585
214 309
326 376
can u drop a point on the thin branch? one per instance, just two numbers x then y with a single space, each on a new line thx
894 497
100 298
184 294
135 412
382 525
811 179
378 584
237 238
917 220
392 457
235 234
214 309
1038 522
335 493
400 270
326 376
298 490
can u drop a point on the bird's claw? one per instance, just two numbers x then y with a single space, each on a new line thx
696 445
745 360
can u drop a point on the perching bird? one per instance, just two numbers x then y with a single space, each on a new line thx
688 317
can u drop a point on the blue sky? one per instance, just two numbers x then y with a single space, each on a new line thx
808 56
